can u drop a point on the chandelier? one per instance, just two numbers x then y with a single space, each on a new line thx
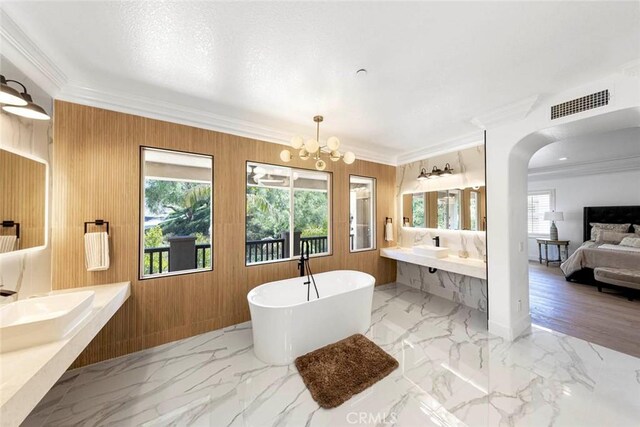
311 149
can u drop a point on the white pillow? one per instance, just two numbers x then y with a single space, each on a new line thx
606 236
597 227
632 242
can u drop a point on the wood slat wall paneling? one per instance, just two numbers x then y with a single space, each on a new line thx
22 197
96 175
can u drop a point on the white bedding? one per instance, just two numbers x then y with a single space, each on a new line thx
619 248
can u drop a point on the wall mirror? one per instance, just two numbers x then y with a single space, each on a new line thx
362 211
23 199
176 212
452 209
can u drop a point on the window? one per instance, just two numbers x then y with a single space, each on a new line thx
286 209
474 210
449 208
539 202
362 208
176 204
418 210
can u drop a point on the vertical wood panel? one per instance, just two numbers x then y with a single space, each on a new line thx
22 197
96 175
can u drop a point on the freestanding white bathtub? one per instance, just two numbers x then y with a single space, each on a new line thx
286 326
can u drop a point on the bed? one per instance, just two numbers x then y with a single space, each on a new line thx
580 265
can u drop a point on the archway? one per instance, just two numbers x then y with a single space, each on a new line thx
509 149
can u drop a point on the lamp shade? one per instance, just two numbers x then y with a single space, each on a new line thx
553 216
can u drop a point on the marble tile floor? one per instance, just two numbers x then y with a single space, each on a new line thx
452 373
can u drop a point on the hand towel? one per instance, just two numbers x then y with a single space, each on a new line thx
388 232
8 243
96 251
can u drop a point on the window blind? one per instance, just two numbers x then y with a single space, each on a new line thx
539 202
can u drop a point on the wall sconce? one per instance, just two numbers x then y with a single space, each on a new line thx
435 172
19 103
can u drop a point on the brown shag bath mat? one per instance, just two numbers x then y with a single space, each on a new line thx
337 371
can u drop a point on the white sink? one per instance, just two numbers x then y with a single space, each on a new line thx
431 251
36 321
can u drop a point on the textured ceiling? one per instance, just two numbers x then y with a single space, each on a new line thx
432 66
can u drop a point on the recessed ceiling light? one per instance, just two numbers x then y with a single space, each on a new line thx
563 158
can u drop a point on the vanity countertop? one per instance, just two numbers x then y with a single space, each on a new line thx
465 266
27 375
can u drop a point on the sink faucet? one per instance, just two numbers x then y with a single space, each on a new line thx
436 241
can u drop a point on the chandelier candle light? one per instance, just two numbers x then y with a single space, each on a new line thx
312 149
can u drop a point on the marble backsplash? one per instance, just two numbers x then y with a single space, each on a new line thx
468 165
466 290
27 272
472 242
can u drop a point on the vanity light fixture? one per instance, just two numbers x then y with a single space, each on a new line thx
9 95
435 172
20 103
312 149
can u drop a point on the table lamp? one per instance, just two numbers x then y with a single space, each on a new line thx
553 216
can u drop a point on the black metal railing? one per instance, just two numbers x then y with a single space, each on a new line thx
317 244
157 259
264 250
275 249
159 254
203 255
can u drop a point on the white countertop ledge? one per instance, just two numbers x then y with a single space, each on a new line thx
465 266
26 375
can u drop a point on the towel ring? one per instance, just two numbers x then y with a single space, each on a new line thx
97 222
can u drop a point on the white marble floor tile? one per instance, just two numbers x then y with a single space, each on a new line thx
452 373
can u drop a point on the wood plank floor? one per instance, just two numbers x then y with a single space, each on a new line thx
606 318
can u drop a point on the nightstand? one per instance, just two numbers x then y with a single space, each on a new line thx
548 242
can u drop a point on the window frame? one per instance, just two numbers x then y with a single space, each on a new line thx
552 206
142 206
294 258
374 216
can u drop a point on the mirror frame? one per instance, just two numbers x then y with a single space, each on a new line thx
141 207
35 158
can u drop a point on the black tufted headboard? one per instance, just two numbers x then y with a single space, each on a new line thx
609 215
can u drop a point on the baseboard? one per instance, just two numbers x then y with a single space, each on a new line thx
510 333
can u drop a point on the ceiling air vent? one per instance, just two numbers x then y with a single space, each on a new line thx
579 105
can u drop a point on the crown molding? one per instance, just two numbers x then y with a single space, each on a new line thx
505 114
182 114
21 51
462 142
607 166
